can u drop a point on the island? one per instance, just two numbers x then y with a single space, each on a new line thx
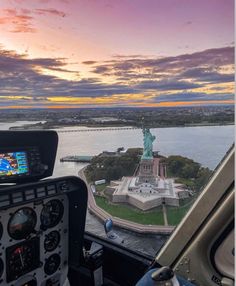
144 187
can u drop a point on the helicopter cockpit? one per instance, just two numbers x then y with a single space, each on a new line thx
42 228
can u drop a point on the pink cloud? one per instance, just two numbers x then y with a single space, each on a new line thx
10 12
19 22
26 11
50 11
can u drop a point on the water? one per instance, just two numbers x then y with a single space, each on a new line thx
206 145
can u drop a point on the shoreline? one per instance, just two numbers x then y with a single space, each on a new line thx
41 127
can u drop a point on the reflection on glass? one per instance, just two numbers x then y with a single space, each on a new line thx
22 223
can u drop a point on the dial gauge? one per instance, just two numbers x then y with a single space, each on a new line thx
51 240
22 223
52 264
22 258
51 214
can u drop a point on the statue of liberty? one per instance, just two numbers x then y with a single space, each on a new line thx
148 139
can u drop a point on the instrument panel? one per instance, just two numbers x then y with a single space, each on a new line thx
41 222
34 242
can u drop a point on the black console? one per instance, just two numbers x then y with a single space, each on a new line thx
41 222
27 156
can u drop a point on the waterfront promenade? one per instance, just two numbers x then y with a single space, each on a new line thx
136 227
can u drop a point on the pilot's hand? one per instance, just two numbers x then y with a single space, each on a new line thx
147 280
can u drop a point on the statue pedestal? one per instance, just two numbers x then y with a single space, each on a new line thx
146 171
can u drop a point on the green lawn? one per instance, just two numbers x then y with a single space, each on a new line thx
175 214
100 188
154 217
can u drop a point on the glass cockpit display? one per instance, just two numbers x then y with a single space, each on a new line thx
13 163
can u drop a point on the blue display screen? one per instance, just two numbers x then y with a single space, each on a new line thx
13 163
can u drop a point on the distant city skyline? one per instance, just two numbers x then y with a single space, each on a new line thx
107 53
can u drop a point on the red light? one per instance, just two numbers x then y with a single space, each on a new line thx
18 250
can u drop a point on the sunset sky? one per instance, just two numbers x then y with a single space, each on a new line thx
107 53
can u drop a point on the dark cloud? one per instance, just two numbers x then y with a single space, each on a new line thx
169 66
104 70
206 75
191 96
10 62
167 85
129 56
89 62
21 76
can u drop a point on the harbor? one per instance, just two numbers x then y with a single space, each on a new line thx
87 158
77 159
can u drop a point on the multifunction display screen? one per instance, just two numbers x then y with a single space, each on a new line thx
13 163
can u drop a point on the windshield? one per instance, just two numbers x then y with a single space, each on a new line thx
141 94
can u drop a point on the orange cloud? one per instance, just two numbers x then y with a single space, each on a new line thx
188 103
97 104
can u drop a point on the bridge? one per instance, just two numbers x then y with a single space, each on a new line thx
98 129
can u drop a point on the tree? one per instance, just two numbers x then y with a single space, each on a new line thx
202 178
113 167
191 173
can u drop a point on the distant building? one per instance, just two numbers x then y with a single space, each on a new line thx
149 187
100 182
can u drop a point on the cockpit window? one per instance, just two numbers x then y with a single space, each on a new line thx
141 94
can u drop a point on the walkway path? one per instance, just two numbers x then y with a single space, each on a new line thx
97 129
136 227
165 215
